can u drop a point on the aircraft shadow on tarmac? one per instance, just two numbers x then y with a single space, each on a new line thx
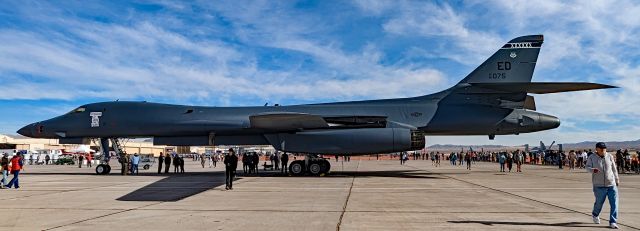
176 187
393 174
565 224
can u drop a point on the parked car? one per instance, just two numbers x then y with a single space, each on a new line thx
147 161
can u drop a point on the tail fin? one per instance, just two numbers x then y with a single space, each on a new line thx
513 63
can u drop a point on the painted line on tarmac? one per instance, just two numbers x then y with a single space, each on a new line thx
519 196
102 216
299 211
346 202
97 187
126 210
342 188
267 189
60 191
547 167
586 182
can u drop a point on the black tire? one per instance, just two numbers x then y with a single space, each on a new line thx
296 168
146 167
101 169
108 169
326 166
315 168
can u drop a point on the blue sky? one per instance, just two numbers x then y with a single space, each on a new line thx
56 56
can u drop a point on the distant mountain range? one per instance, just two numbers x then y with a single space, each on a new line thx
455 147
611 145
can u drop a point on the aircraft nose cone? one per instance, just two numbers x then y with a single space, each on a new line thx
26 130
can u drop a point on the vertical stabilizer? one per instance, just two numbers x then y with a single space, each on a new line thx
513 63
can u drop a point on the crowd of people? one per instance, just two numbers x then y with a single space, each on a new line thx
35 159
169 159
250 162
509 161
83 159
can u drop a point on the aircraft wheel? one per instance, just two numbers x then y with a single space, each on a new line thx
146 167
315 168
101 169
296 168
108 169
326 166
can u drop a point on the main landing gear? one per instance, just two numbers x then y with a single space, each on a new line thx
312 165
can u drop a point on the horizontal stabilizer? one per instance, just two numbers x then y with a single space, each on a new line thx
541 88
282 121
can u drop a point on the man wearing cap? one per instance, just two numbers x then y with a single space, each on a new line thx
230 164
604 176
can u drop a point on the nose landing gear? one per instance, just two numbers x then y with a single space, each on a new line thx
104 168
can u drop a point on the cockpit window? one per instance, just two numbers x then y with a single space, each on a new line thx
78 110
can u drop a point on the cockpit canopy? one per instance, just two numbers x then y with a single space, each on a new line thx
78 110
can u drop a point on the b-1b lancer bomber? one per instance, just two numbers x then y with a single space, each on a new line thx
492 100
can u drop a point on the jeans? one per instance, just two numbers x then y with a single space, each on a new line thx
134 169
229 174
4 177
14 180
601 194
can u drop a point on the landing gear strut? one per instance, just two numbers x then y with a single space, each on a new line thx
312 165
104 168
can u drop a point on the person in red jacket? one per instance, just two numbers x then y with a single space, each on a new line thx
89 159
16 166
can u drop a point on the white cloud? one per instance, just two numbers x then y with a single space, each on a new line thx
466 45
144 60
375 7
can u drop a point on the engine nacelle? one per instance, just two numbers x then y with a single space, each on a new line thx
523 121
349 141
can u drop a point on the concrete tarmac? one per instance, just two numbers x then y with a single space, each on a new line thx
357 195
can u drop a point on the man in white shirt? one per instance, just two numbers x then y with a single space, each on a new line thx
604 176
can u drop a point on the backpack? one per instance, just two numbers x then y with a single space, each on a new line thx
21 162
